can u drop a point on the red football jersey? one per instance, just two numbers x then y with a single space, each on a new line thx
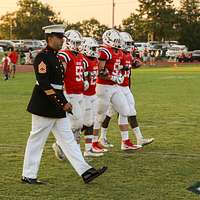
113 60
74 71
127 61
91 69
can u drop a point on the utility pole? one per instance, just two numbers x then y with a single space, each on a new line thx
113 13
11 28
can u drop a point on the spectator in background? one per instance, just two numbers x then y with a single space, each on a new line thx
145 56
152 57
181 58
22 58
189 57
13 55
6 66
29 58
157 54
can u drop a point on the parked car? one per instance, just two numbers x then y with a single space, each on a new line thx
171 43
196 55
1 50
17 43
141 46
162 47
175 51
6 45
30 45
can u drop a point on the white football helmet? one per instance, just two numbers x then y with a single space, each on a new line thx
127 42
112 38
89 47
73 40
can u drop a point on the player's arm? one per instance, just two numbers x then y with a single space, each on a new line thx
64 57
104 55
136 63
42 76
103 72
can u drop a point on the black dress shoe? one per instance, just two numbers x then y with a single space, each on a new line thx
92 173
31 180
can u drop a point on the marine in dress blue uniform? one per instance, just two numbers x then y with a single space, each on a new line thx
48 107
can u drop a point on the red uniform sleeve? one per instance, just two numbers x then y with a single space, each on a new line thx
104 54
62 55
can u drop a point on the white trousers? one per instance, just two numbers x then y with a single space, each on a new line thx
41 127
90 106
130 100
77 108
109 94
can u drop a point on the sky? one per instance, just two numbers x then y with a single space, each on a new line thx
78 10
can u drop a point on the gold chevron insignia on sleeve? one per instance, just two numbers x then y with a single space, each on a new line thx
42 68
49 92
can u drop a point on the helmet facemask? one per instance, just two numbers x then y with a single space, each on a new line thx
127 42
89 47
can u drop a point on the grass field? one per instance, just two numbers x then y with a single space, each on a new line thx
168 105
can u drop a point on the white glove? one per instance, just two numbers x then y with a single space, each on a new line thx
117 79
86 85
114 79
120 67
120 79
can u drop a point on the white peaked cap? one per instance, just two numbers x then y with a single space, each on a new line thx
57 28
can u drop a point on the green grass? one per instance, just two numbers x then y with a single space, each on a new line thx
168 105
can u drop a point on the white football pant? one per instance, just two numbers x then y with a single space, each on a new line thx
109 94
130 99
90 106
130 102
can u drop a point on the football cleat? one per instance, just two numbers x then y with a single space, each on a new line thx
58 152
91 153
98 148
128 145
104 142
144 141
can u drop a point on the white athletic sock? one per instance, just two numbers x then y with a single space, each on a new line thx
124 135
103 132
137 133
88 142
95 138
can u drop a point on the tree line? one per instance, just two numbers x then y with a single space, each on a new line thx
156 20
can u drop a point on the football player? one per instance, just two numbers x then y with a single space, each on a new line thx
74 83
89 49
109 77
128 62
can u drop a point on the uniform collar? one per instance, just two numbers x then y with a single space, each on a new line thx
49 49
